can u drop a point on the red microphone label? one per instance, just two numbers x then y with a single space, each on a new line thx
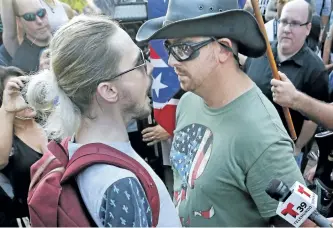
299 205
289 210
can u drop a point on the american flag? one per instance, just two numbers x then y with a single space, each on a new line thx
124 204
165 81
190 152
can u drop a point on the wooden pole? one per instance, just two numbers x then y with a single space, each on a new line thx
272 63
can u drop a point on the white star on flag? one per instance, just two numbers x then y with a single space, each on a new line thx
158 85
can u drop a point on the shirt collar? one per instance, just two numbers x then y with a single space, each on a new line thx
298 58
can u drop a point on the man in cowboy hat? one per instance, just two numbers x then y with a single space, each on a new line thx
229 141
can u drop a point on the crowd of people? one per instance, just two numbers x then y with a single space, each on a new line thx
74 81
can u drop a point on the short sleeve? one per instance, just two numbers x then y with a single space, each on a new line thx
277 162
125 204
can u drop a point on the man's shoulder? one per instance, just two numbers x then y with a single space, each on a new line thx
97 179
262 111
187 99
314 59
98 172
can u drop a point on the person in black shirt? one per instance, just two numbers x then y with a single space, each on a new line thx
294 58
33 21
22 143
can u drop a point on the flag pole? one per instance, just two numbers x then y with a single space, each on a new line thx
272 63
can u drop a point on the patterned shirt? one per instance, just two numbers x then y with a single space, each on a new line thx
115 197
125 204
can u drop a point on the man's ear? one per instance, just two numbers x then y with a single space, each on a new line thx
19 23
223 53
309 26
108 91
226 42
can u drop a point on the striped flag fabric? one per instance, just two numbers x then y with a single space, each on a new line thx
165 81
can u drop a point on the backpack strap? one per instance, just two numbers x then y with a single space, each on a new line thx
98 153
57 151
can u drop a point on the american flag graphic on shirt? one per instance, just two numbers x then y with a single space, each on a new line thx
125 204
190 153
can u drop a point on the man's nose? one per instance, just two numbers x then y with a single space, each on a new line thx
172 60
39 20
287 28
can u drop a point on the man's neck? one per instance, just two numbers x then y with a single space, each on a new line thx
39 43
225 88
102 129
284 56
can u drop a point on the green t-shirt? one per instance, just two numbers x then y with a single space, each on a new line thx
223 160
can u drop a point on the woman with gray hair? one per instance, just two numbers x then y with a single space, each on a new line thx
97 83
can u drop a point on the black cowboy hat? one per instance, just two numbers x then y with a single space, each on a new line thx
211 18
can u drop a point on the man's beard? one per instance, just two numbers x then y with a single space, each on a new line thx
135 110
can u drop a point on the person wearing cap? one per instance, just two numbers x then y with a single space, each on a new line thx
229 141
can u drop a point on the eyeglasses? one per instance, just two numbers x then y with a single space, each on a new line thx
142 62
32 16
187 51
292 24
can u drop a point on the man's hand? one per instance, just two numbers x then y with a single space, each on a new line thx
153 135
310 174
284 92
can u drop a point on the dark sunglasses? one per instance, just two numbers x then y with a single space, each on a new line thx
32 16
186 51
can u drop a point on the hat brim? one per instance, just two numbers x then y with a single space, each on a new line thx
238 25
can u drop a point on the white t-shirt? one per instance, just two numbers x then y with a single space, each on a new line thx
269 26
57 15
115 197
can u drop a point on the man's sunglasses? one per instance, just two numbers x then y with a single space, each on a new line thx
186 51
32 16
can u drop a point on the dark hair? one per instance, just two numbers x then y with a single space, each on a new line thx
313 39
5 73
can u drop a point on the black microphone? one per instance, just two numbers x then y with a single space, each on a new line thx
281 192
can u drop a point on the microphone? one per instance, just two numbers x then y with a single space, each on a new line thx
296 204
